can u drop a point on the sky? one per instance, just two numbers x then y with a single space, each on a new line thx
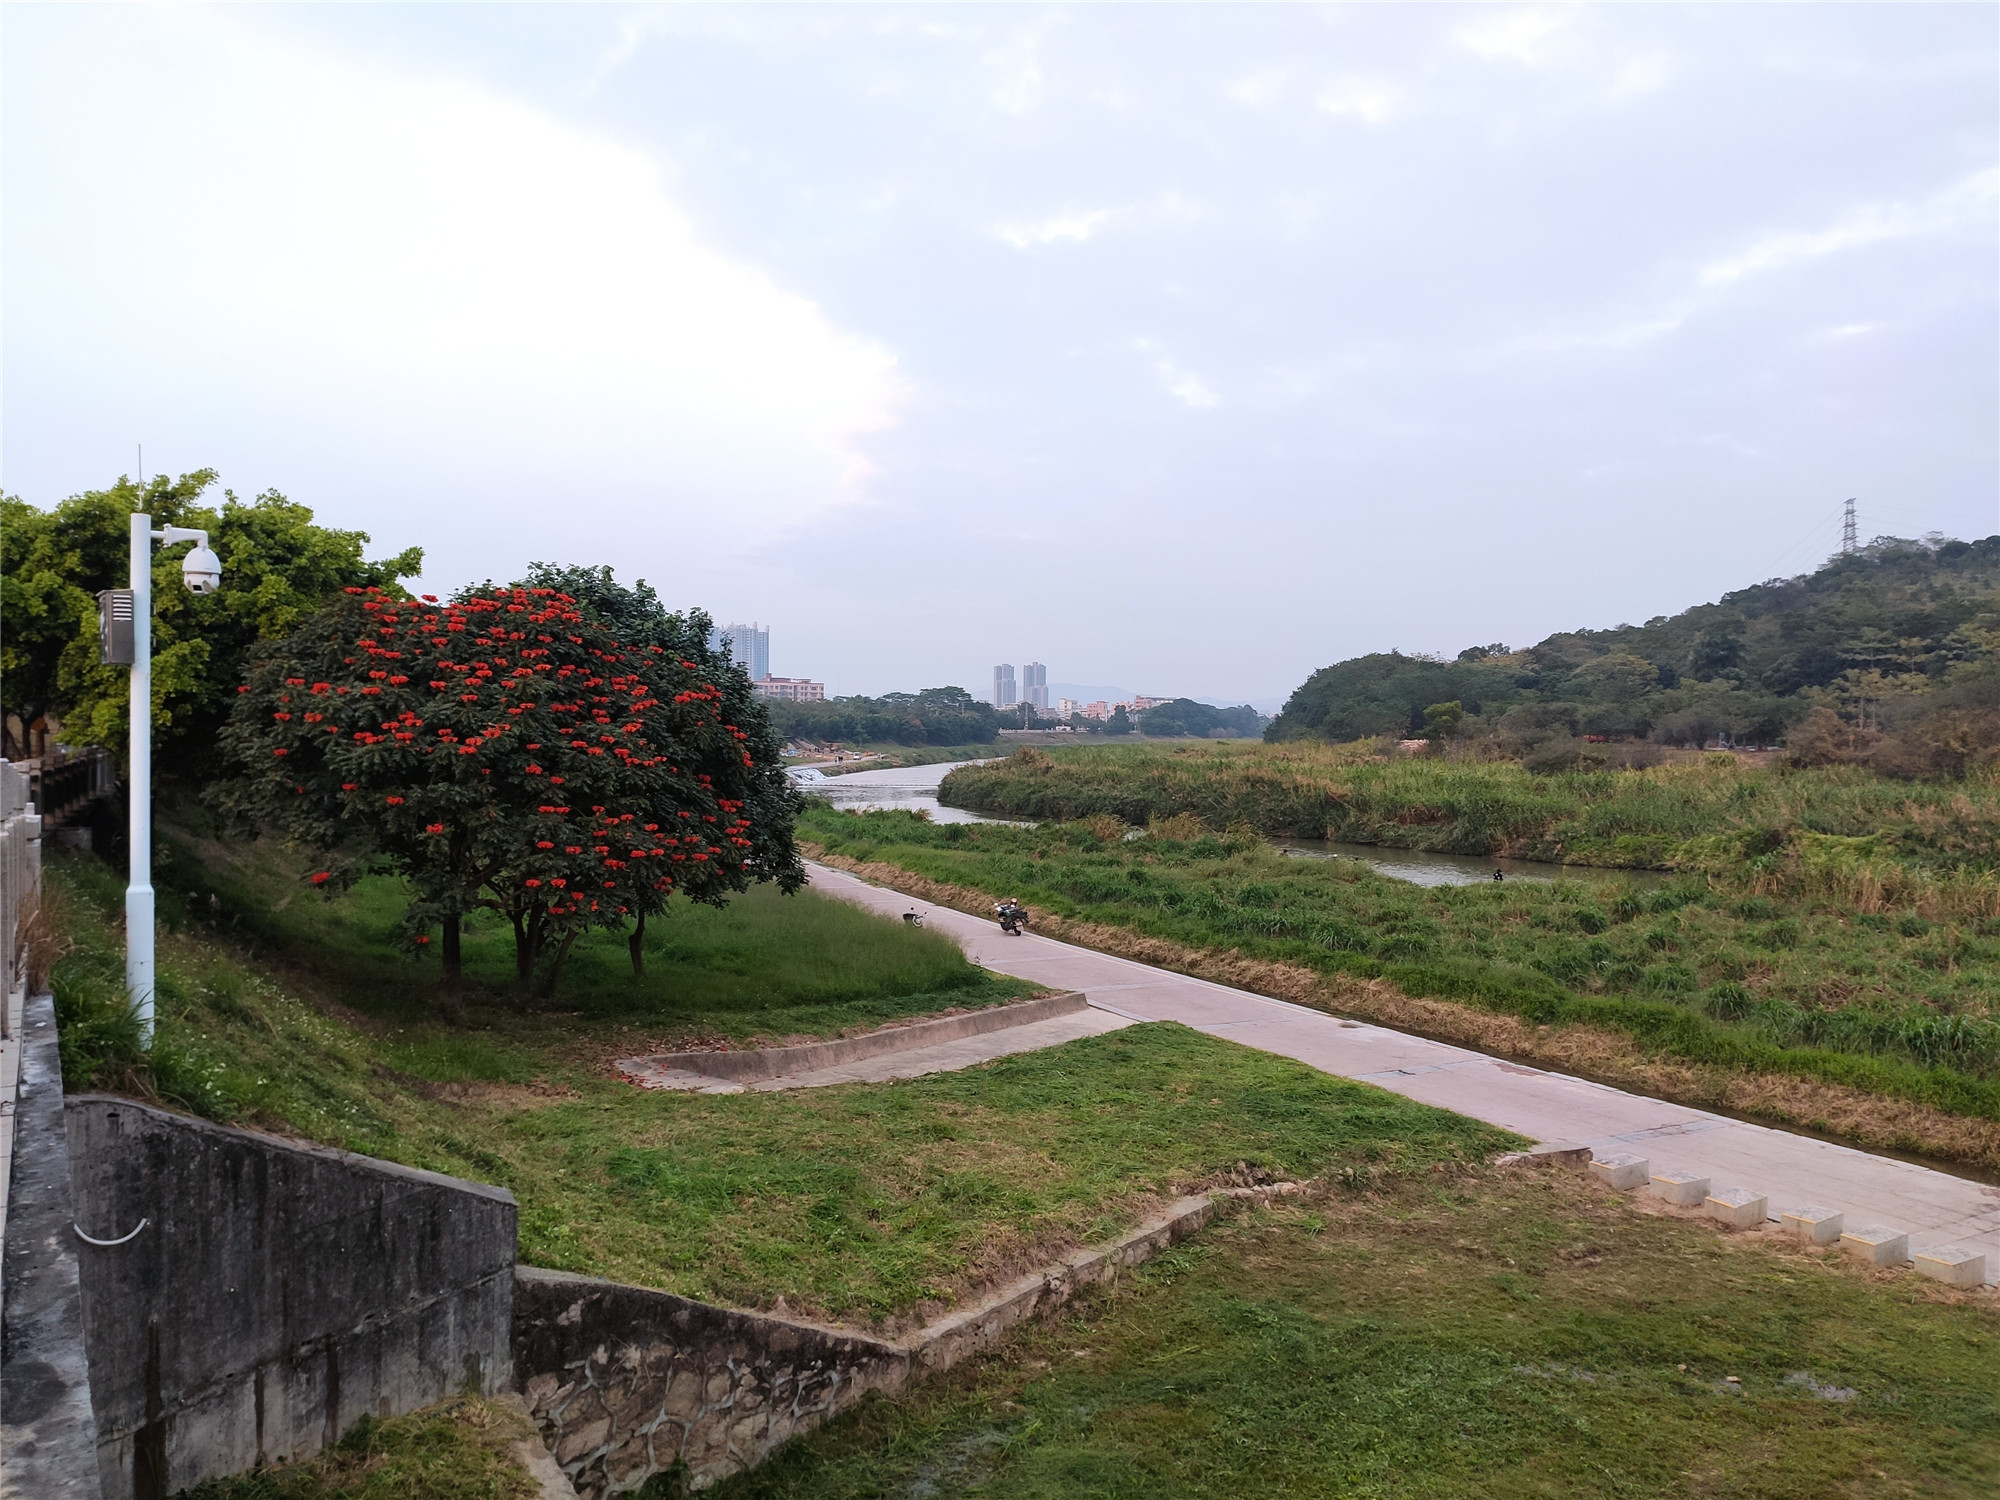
1187 347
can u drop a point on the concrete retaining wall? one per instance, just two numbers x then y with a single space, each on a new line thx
277 1292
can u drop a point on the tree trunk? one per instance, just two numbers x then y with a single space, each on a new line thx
524 951
554 971
637 943
454 968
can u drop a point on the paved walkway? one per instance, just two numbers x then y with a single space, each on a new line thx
1933 1208
910 1062
949 1057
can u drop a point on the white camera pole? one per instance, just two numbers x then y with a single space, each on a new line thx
202 573
139 832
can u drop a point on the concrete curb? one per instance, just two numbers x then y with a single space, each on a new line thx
937 1346
1743 1208
689 1070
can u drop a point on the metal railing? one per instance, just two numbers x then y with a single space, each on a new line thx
20 880
64 782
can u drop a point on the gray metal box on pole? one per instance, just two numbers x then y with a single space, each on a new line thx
114 627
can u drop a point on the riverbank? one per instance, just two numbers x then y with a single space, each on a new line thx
1631 987
1913 842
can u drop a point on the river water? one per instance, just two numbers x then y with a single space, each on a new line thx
915 789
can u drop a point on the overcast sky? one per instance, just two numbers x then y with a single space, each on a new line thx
1186 348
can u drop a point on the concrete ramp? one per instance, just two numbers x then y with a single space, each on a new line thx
941 1046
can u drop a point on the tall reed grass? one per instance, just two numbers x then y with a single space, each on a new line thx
1710 970
1639 819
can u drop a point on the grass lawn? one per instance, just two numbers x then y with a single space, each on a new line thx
1515 1334
797 964
456 1450
866 1202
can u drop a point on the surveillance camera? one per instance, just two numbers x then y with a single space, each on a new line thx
201 570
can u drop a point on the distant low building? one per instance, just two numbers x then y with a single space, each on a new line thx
792 689
1140 703
1069 707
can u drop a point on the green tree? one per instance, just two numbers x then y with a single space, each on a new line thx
1616 677
935 716
505 751
278 566
1441 721
636 616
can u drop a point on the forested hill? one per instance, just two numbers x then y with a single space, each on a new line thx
1894 630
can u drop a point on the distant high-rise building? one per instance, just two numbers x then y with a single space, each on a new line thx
1035 685
749 646
1004 695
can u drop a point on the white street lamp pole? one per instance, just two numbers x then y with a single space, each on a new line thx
203 574
139 830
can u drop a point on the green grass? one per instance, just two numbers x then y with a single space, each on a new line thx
1694 969
453 1451
859 1202
822 963
1490 1337
1946 831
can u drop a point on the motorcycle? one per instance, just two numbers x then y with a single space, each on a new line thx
1013 918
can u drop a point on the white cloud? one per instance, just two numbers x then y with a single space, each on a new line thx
466 280
1967 201
1260 88
1373 100
1643 73
1530 37
1019 86
1182 384
1869 224
1071 226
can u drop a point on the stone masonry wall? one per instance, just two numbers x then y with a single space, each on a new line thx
624 1381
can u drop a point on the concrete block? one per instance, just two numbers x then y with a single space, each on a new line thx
1954 1265
1877 1245
1620 1170
1739 1208
1681 1189
1820 1225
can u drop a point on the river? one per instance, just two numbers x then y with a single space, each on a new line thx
915 789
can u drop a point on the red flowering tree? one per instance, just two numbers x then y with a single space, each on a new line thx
508 751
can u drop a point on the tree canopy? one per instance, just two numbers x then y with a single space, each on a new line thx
935 716
1185 716
1877 632
509 750
278 567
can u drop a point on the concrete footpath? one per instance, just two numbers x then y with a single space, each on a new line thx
1934 1208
